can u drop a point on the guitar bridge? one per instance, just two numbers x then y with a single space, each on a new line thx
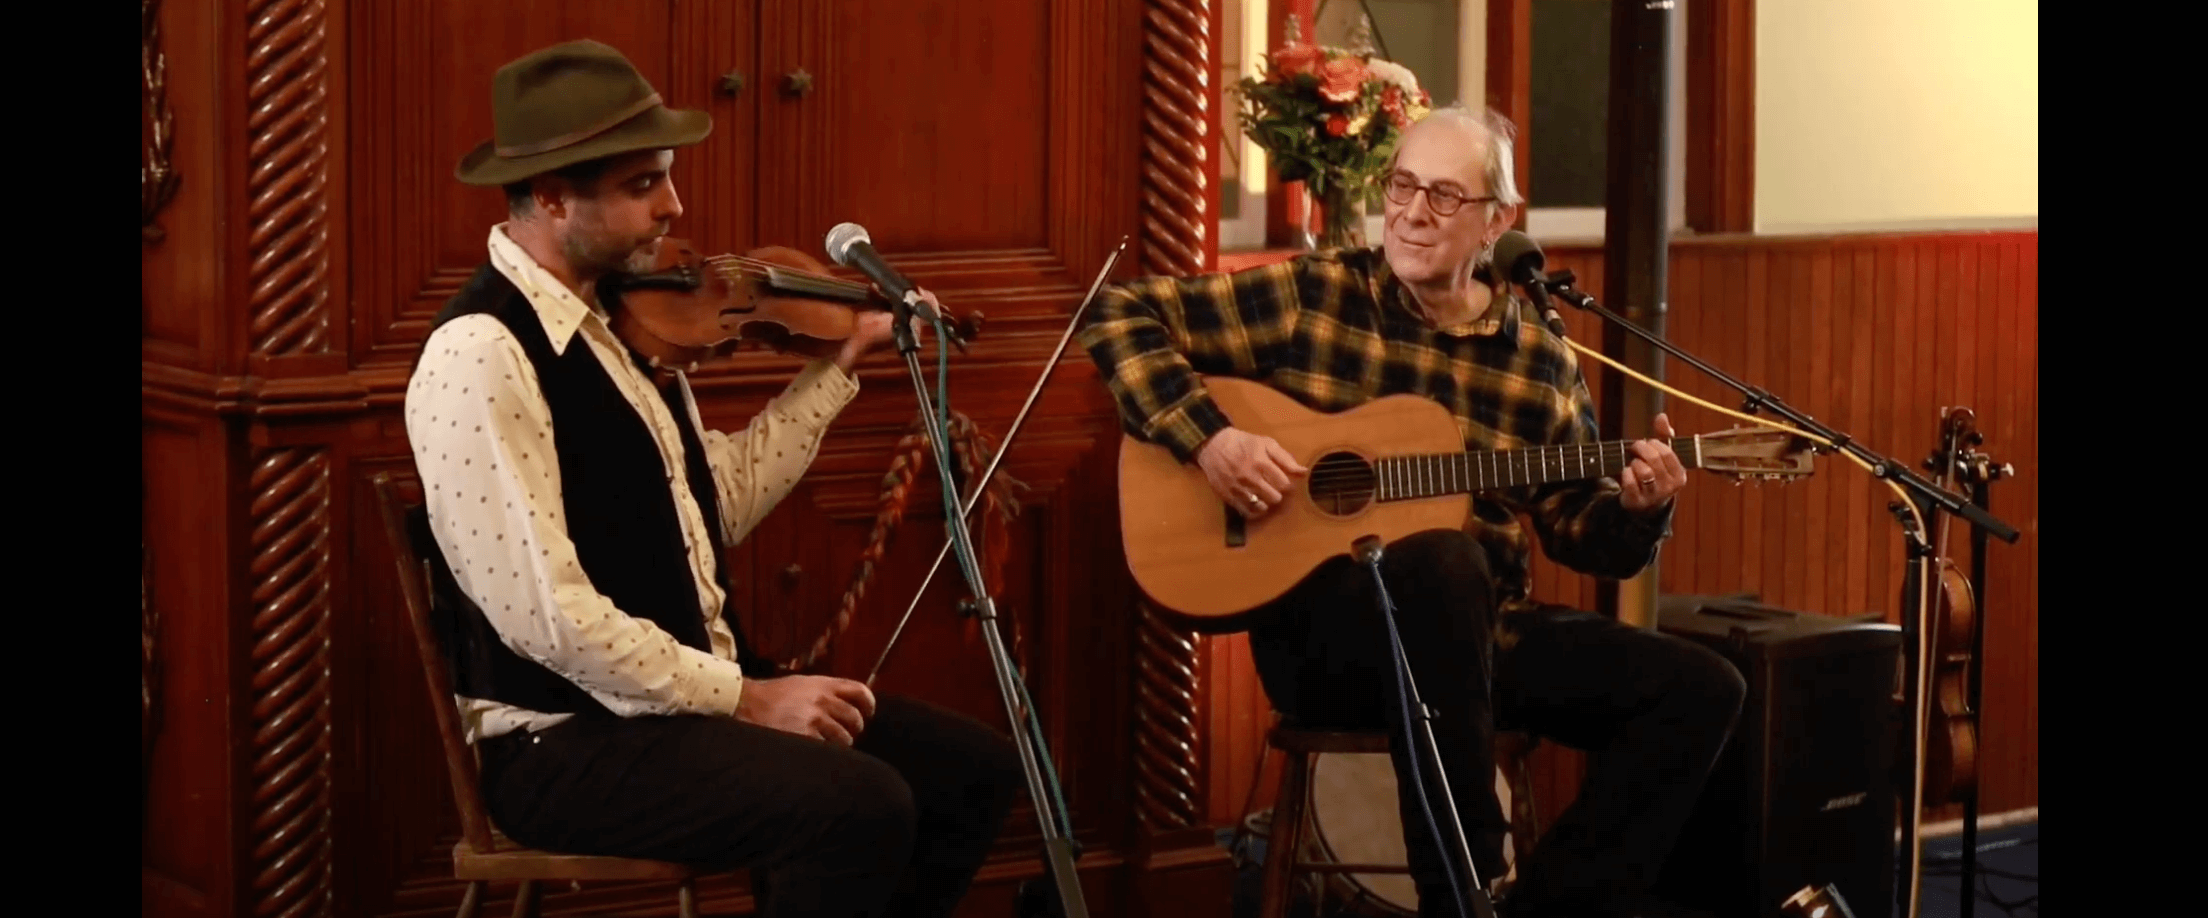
1238 533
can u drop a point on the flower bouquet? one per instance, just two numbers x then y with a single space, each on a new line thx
1330 118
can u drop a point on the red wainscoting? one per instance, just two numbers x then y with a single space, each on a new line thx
1873 335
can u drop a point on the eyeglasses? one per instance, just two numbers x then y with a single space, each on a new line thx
1401 187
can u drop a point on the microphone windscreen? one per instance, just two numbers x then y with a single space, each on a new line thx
840 240
1518 257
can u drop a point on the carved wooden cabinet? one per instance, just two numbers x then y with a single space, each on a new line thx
996 151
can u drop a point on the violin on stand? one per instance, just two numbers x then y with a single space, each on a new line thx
1948 646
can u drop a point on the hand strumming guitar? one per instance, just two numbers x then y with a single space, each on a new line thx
1251 472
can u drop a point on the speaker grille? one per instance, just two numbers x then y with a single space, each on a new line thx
1803 793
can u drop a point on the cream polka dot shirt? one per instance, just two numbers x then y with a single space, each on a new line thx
482 439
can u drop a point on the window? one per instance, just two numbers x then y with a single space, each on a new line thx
1446 42
1570 131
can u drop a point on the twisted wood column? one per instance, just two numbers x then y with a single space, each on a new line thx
288 301
288 685
1169 789
1176 127
287 121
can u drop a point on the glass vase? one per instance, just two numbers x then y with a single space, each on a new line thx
1340 221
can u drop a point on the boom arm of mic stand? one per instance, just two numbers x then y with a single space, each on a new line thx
1560 286
973 499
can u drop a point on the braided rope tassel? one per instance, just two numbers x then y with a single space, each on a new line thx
999 504
911 452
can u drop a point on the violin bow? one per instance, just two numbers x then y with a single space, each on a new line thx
973 499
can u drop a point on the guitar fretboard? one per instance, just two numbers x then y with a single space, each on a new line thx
1436 474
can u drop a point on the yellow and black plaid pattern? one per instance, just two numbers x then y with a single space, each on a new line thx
1334 330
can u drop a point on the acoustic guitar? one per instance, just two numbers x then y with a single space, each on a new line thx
1391 467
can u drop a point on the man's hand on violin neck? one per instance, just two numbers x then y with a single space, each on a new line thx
822 707
877 331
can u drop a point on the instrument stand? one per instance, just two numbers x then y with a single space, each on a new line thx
1418 730
1913 582
1926 497
1060 850
1981 483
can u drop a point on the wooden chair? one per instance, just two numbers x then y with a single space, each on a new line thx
1284 858
483 854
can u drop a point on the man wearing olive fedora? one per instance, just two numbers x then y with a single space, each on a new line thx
583 510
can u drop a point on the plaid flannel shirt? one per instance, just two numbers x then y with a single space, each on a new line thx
1334 330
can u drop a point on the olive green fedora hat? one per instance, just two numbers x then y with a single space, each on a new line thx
572 102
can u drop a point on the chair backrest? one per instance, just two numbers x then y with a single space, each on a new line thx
414 549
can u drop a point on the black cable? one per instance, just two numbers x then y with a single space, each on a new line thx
1411 737
1950 865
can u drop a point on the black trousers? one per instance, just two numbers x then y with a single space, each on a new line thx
895 826
1652 711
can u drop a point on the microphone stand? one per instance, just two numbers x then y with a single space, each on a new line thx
1926 497
1060 850
1559 284
1425 757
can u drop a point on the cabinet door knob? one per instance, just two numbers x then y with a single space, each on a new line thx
791 574
798 83
732 83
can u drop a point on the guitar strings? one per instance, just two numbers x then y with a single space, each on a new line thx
1766 422
1606 453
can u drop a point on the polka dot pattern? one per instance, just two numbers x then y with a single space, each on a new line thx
473 401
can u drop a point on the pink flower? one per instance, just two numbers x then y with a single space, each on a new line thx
1342 80
1295 58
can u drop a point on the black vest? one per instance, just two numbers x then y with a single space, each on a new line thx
618 504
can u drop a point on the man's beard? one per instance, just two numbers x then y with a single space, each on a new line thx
596 254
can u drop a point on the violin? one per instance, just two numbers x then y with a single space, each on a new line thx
1951 635
689 307
1951 729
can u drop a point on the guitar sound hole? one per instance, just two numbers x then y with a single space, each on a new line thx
1341 484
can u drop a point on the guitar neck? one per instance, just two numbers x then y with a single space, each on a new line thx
1437 474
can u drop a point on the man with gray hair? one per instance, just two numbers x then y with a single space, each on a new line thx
1422 314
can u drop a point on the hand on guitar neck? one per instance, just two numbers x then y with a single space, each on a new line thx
1655 474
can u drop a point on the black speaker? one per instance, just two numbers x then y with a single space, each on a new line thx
1803 794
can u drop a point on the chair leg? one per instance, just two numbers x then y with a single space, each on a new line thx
527 898
1283 848
686 899
471 900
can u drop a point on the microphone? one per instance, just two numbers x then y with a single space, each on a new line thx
1519 259
849 246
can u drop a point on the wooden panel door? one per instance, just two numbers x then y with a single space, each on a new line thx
945 128
419 233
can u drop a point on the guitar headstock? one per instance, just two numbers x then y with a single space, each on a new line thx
1751 453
